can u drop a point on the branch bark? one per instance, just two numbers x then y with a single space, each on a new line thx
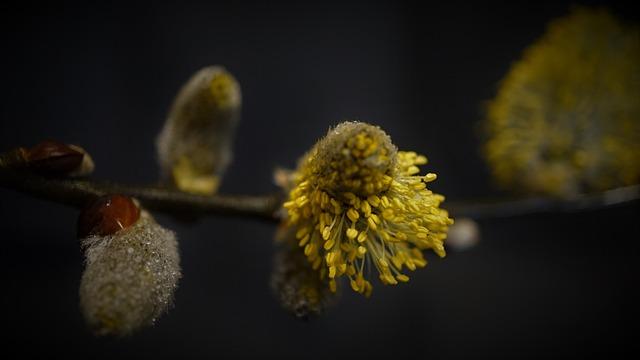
484 209
79 192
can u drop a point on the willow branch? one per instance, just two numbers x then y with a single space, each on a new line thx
79 192
519 207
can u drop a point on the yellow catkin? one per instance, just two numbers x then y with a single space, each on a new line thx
566 118
195 144
358 202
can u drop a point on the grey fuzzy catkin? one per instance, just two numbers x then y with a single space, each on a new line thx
129 278
195 144
297 285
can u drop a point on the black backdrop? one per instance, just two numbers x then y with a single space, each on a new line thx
103 76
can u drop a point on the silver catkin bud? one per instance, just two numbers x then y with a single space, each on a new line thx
195 144
464 234
129 278
298 286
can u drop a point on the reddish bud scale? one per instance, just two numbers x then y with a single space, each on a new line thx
108 215
54 158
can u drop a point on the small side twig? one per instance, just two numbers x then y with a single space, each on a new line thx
518 207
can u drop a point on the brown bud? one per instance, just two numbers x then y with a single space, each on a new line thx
108 215
86 167
53 158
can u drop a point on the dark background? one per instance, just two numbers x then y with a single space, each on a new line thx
103 77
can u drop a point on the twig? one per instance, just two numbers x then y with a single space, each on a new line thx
78 192
518 207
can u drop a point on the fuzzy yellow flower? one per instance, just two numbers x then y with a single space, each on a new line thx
357 202
195 144
566 119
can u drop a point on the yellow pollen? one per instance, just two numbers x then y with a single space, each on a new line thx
326 233
304 240
332 272
353 215
371 223
366 208
362 236
329 244
412 170
373 200
429 177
